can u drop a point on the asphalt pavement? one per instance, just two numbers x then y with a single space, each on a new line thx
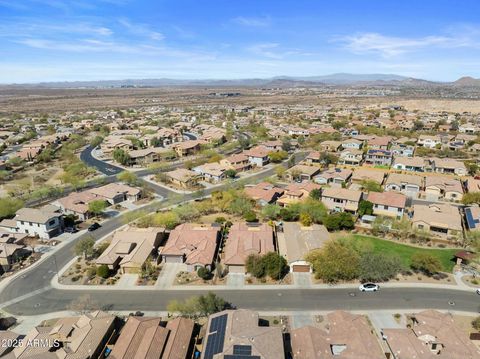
101 166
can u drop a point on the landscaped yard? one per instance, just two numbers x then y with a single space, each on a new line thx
405 252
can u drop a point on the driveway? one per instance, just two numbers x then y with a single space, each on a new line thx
168 274
127 280
385 320
301 319
302 280
236 280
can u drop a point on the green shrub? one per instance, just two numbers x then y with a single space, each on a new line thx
103 271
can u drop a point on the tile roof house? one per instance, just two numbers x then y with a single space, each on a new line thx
130 248
331 146
437 187
432 335
237 333
183 177
351 157
296 192
301 172
367 174
81 337
313 157
409 185
448 166
76 203
187 148
145 156
115 193
341 199
193 244
264 193
379 143
389 204
245 239
352 143
239 162
334 177
414 164
440 219
379 157
257 156
212 172
12 249
296 241
348 336
147 338
472 216
45 222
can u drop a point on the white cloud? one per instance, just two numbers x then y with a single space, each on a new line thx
141 30
252 21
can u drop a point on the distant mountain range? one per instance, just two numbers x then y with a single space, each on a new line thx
339 79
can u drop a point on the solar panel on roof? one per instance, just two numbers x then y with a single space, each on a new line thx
470 221
216 338
236 356
242 349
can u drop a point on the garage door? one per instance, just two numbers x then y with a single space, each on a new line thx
300 268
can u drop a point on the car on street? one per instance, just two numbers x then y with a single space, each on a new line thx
93 227
477 291
369 287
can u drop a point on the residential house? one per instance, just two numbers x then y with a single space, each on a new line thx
183 178
331 146
402 150
409 185
193 244
388 204
429 141
439 219
351 157
264 193
365 174
313 158
296 241
413 164
211 172
82 337
12 249
352 144
187 148
238 334
131 248
147 156
272 146
448 166
45 222
301 173
439 187
257 156
245 239
379 157
347 336
76 203
115 193
379 143
335 177
238 162
112 143
150 338
296 192
341 199
472 185
430 335
472 217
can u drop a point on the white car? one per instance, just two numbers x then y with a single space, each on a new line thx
477 291
369 287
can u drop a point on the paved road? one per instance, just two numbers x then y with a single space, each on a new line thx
264 300
103 167
39 277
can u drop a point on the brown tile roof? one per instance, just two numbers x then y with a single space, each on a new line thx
390 199
440 215
258 151
242 329
196 242
244 239
112 190
362 174
264 191
342 193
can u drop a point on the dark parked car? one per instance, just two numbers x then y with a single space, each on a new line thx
71 230
93 227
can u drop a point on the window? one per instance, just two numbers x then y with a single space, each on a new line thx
51 223
385 208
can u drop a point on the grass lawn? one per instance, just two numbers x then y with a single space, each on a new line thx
405 251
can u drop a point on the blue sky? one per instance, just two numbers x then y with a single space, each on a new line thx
65 40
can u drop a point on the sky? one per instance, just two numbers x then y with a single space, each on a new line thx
70 40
